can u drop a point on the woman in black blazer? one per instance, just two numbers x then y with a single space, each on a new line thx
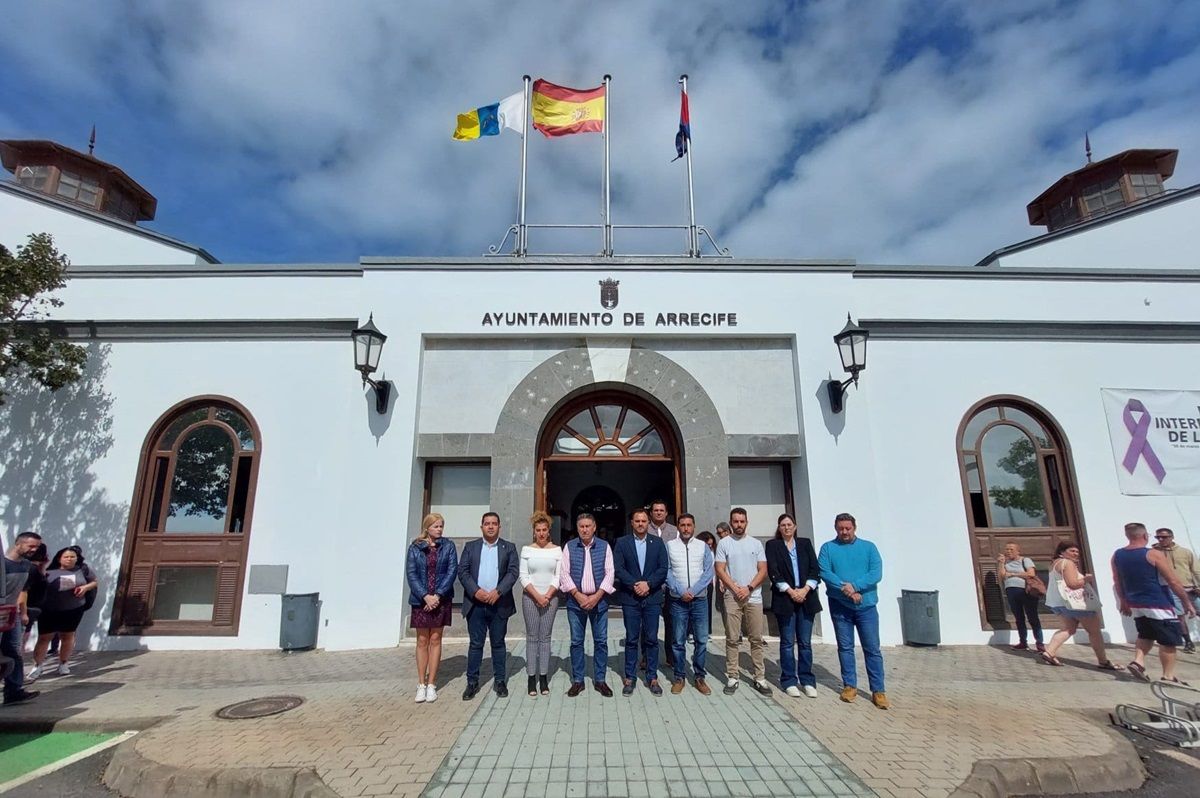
794 574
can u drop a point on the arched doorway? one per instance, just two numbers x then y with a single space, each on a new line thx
1018 487
606 452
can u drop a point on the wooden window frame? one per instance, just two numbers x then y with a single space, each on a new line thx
137 577
1073 530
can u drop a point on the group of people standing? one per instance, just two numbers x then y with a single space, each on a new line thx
659 571
1158 587
54 592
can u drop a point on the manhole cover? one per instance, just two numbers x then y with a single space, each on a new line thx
260 707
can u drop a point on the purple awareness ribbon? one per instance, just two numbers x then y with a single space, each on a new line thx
1139 446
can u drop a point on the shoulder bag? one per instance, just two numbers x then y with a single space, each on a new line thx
1082 599
1034 586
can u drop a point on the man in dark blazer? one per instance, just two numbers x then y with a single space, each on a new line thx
488 570
640 560
794 574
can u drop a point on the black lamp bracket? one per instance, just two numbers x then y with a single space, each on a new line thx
383 392
837 392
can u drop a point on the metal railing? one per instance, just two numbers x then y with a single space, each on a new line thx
520 236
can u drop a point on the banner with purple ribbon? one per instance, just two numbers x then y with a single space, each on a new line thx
1155 439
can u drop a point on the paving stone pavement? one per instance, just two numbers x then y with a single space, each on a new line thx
363 735
637 746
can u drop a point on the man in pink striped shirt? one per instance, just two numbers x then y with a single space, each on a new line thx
585 576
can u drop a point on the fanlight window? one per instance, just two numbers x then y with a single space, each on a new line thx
608 429
1013 471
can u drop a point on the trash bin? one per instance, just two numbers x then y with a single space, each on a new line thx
919 620
301 614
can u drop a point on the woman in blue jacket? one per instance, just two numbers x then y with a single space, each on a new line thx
431 568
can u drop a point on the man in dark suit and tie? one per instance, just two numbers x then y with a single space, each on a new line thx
488 570
640 560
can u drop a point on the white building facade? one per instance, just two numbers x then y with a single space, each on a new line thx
222 450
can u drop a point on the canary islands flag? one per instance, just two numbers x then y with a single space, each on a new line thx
489 119
560 111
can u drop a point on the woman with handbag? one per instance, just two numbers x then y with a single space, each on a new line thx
1071 595
1022 588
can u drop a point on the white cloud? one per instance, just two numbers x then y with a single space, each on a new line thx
337 117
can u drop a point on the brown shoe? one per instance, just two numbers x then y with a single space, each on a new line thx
677 687
576 689
879 700
849 694
703 687
603 689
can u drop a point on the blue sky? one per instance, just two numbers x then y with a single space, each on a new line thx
887 132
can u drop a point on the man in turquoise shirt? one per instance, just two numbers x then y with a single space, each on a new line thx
851 569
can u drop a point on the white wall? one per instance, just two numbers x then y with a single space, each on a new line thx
919 394
84 240
1162 238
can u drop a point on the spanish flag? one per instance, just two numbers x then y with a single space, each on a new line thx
559 111
489 120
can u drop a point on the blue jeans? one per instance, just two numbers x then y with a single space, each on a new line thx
10 646
795 631
689 617
578 620
641 634
486 621
846 619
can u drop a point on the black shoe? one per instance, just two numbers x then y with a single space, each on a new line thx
630 684
603 689
501 689
576 689
532 687
1190 648
762 687
655 687
544 683
471 691
21 697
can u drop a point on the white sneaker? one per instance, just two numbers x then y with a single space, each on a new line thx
810 691
793 691
422 694
63 669
430 694
33 675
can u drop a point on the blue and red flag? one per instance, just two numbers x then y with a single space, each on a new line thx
685 128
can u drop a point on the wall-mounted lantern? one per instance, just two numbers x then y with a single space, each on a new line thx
368 345
852 347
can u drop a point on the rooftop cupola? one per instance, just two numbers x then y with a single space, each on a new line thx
1102 187
66 174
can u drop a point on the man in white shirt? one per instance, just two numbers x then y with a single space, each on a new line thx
659 527
689 578
741 566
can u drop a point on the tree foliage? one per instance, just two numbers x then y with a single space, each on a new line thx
1022 462
29 349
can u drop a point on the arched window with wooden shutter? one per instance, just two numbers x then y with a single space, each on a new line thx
1018 487
185 552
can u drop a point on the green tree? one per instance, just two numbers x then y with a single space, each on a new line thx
28 349
1021 461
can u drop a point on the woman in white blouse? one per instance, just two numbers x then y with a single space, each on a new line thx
539 601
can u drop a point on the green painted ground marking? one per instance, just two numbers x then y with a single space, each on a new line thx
24 753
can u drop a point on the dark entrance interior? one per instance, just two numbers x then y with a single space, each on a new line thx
607 453
608 490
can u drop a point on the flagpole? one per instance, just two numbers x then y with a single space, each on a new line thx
522 235
693 239
608 243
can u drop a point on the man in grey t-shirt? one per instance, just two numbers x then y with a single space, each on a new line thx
741 565
15 572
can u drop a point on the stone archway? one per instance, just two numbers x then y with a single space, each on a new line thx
644 371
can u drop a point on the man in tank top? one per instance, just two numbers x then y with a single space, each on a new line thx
1141 579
